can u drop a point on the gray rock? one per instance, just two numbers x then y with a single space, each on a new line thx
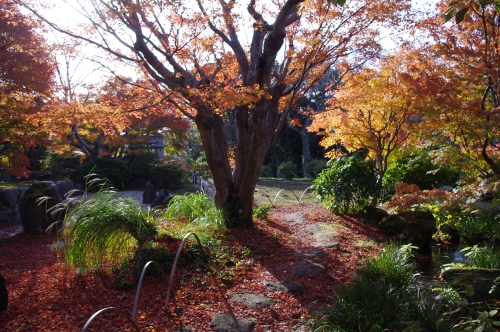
229 323
415 227
290 286
312 253
326 236
327 244
476 285
9 198
306 267
162 199
149 194
448 233
53 185
373 215
63 187
34 216
251 300
9 203
295 218
314 228
5 214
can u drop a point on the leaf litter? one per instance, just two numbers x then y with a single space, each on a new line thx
44 295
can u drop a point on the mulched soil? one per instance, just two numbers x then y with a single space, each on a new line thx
46 296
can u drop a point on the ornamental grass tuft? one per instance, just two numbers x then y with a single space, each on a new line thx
103 231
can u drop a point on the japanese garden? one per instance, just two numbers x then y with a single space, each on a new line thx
251 165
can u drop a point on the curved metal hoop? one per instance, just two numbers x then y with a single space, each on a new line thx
303 193
121 311
170 282
131 319
138 291
279 192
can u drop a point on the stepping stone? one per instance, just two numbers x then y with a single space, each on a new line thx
251 300
290 286
328 244
314 228
306 267
229 323
312 253
296 218
326 236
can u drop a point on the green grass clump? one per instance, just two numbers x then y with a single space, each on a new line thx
194 207
482 257
384 296
262 212
102 231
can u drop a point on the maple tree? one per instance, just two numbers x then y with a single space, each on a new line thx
460 84
116 118
371 111
25 80
197 52
460 9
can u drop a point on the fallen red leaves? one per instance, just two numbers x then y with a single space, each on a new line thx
45 296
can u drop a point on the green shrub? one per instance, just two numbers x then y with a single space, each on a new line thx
288 169
347 184
262 212
160 255
115 171
480 227
418 168
142 163
482 257
168 176
315 166
266 171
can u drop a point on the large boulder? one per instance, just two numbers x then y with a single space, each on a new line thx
373 215
448 234
9 203
63 187
415 227
34 214
162 199
149 193
4 298
474 284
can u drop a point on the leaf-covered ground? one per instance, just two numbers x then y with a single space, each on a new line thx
46 296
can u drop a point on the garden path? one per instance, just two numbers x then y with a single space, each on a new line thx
293 262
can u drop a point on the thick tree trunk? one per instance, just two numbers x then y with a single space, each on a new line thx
235 188
486 157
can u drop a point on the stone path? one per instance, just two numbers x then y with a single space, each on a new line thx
310 265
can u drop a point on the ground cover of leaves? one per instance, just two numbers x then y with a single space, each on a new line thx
46 296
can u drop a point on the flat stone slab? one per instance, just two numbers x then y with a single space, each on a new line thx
314 228
312 253
326 236
251 300
290 286
229 323
306 267
326 244
295 218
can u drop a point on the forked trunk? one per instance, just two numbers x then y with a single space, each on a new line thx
234 190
